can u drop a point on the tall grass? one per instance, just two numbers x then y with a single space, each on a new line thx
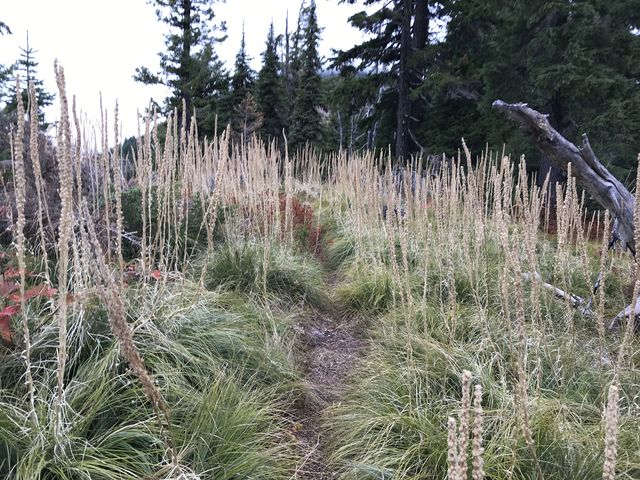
454 251
182 361
134 371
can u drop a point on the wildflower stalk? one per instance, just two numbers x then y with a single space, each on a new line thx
20 186
477 449
611 418
65 229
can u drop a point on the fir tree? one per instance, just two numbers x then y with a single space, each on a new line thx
395 60
243 76
270 94
189 66
27 69
305 118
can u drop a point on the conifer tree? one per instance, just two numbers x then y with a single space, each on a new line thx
243 76
189 66
270 94
26 68
305 118
394 59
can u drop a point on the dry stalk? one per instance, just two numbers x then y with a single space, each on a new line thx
453 472
106 176
117 184
65 231
611 418
111 295
20 187
477 449
37 173
604 248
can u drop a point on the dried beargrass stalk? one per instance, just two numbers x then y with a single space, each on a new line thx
110 294
65 231
611 417
20 192
37 173
477 450
453 472
463 434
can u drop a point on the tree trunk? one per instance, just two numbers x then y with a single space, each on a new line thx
421 25
419 41
589 173
404 104
560 121
555 174
185 60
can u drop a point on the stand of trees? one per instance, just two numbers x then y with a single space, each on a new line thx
424 77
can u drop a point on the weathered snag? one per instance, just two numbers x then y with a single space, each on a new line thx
589 173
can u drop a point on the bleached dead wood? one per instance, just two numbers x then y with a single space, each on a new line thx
576 301
589 173
619 318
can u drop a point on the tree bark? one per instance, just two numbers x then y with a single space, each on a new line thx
404 103
421 25
185 59
419 41
589 173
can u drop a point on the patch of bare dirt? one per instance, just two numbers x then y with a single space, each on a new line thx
332 348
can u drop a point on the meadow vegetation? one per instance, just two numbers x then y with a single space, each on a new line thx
173 350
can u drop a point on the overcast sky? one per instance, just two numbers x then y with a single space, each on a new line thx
101 42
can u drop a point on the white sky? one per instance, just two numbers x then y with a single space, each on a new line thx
101 42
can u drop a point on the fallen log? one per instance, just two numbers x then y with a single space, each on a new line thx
575 301
584 306
589 173
626 313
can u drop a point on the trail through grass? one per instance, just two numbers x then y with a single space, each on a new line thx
332 344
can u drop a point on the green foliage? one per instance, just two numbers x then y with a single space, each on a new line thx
270 93
26 68
369 294
189 66
226 374
192 228
305 117
243 76
290 277
556 56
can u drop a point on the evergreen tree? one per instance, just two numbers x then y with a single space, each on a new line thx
210 85
190 67
243 76
395 61
577 61
27 69
305 118
270 95
246 120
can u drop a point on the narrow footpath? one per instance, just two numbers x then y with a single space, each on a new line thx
332 346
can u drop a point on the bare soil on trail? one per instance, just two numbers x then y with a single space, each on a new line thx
332 347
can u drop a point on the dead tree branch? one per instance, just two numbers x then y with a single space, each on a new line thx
589 173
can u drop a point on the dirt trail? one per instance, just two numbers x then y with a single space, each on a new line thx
332 347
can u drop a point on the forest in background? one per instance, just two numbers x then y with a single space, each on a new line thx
217 307
424 77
